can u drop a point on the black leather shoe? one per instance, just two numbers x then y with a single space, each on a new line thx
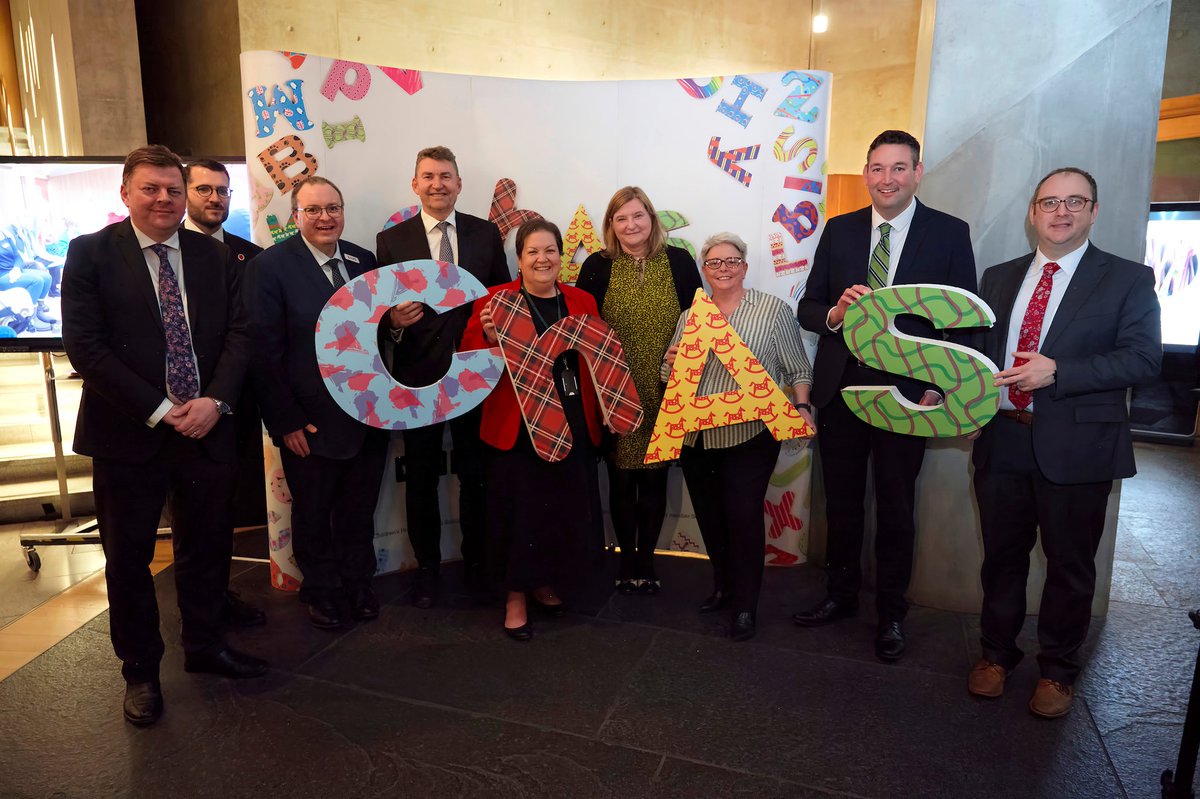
651 586
364 605
522 633
824 612
323 614
889 641
626 587
143 703
227 662
718 600
743 626
555 610
425 589
238 613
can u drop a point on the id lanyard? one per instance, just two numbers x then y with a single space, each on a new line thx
568 381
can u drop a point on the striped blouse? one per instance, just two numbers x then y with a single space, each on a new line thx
771 331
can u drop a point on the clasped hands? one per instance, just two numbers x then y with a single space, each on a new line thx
194 418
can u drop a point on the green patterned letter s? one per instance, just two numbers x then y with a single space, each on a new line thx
964 375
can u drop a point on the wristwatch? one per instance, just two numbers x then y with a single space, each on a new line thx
222 407
805 405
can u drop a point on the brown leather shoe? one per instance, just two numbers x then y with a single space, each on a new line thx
987 679
1051 699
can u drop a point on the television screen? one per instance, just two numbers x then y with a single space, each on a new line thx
1172 249
46 202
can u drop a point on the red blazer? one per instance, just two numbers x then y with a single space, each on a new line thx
502 418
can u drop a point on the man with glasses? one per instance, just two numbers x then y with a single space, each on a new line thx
153 320
333 463
207 209
424 341
1075 328
895 240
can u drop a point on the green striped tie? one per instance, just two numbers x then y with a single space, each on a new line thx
877 269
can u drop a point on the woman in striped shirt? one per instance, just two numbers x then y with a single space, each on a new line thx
727 468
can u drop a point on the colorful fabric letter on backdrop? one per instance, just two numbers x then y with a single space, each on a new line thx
349 359
964 375
530 359
682 411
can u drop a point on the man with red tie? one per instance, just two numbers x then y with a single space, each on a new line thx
1075 328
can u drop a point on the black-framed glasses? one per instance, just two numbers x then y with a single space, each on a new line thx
334 210
716 263
223 192
1074 203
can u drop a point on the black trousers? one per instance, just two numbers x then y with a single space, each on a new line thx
129 503
637 504
333 516
727 488
423 468
1015 502
845 442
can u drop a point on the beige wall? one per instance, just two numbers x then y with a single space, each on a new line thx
42 31
870 46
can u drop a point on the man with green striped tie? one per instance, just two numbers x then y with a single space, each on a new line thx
895 240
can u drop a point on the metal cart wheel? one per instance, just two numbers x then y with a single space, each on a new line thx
32 558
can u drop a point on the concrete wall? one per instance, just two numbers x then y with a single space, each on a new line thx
1017 89
108 77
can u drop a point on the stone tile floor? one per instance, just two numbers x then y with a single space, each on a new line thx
630 696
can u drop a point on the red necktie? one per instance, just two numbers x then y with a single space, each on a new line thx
1031 330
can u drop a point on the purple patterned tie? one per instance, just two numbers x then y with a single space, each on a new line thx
181 364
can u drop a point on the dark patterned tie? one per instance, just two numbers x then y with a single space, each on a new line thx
1031 330
182 381
335 274
877 267
445 253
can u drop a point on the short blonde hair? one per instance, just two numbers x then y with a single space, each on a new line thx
658 234
716 239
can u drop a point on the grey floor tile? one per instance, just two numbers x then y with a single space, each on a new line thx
1142 743
1130 584
840 725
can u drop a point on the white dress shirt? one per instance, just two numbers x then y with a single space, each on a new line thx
175 258
325 261
434 236
1058 287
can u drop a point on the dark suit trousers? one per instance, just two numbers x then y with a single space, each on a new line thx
727 487
129 502
1015 500
423 468
845 442
333 516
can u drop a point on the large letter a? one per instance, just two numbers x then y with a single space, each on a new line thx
682 411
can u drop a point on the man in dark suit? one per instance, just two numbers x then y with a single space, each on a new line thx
1075 328
207 209
896 240
424 342
153 320
333 463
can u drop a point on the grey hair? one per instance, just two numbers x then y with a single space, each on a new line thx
715 239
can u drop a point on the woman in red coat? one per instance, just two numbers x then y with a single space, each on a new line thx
542 517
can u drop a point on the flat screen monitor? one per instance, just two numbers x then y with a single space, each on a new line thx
1172 250
46 202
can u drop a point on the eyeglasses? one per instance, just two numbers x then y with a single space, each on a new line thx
716 263
206 191
315 211
1074 203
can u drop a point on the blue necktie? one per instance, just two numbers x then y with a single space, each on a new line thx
182 381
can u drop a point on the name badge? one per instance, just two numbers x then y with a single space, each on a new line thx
350 258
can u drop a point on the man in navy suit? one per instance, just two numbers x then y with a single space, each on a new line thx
153 320
208 197
1075 328
424 342
895 240
333 463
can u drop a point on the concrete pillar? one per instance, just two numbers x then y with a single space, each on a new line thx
1015 90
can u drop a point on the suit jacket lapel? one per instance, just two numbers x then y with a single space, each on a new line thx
860 257
193 282
135 261
464 239
912 242
1087 277
310 270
